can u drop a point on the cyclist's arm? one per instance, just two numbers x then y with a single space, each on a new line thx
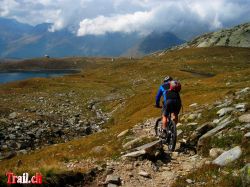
158 96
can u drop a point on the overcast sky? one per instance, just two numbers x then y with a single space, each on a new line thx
183 17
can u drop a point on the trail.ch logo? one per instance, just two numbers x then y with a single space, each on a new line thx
23 179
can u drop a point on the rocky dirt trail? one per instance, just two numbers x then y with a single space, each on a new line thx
151 164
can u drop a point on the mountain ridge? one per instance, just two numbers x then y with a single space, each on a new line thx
237 36
35 41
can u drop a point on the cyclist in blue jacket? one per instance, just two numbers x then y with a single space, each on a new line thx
171 103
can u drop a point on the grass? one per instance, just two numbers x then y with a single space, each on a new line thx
210 175
134 80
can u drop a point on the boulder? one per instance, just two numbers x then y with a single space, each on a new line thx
193 139
192 117
150 149
241 107
144 174
192 124
247 135
112 185
113 179
179 132
212 132
247 126
215 152
189 181
225 111
133 142
194 105
13 115
135 154
245 118
228 156
218 128
9 155
243 91
123 133
245 175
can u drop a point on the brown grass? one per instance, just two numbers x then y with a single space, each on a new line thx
118 78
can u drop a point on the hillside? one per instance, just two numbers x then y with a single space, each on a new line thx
154 42
71 123
238 36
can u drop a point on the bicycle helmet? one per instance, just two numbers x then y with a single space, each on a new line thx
167 78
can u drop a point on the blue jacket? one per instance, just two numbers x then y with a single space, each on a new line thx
162 91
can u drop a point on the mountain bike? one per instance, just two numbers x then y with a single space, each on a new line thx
171 132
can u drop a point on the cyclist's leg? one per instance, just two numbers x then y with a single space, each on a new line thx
165 113
164 121
176 111
174 117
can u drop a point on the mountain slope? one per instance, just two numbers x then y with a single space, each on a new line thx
238 36
19 40
157 41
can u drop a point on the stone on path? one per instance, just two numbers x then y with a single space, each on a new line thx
245 118
122 133
150 149
228 156
225 111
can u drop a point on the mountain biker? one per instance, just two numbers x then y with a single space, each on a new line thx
171 103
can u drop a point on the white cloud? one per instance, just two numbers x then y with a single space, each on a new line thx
118 23
101 16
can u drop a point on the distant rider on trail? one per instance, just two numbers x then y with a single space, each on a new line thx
172 102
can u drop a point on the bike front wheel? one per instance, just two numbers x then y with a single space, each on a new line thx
158 127
172 136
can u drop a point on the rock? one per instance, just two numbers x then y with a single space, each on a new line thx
113 179
243 91
192 124
10 155
133 142
245 175
189 181
241 107
112 185
225 111
207 162
174 155
23 152
135 154
13 115
212 132
228 156
194 105
215 152
150 149
215 130
144 174
245 118
199 132
123 133
179 132
216 121
179 124
247 135
97 149
247 126
192 117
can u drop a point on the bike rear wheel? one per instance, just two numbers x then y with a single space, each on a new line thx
172 136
